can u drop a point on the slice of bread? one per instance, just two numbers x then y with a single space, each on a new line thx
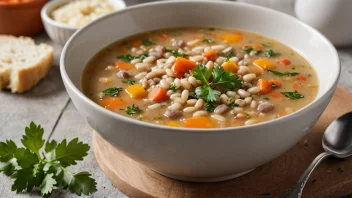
23 63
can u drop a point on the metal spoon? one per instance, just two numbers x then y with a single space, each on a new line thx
337 142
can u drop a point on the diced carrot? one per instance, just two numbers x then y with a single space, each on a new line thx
158 94
263 63
211 55
231 38
284 61
275 94
184 65
173 124
164 36
257 46
264 86
199 122
230 65
112 103
179 74
296 85
123 65
136 91
276 82
301 77
137 43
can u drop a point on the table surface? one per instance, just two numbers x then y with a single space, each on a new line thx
48 104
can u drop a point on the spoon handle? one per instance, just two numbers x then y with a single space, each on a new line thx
297 189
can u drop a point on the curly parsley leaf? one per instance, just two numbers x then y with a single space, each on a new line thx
112 91
225 79
270 53
24 180
33 138
147 42
206 93
82 183
68 154
7 150
132 110
282 74
129 81
176 53
228 56
8 168
249 50
200 72
129 57
48 184
292 95
208 40
25 158
173 87
49 146
210 107
232 103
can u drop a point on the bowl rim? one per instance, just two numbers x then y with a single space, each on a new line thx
51 5
114 115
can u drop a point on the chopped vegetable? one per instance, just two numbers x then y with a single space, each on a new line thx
301 77
282 74
270 53
207 93
264 86
292 95
230 66
257 46
208 40
173 87
266 98
211 29
184 65
266 44
132 110
158 94
129 57
249 50
113 91
228 56
147 42
129 81
225 79
136 91
232 103
231 38
210 107
123 65
173 124
263 63
175 53
275 94
275 83
284 61
199 122
211 55
112 103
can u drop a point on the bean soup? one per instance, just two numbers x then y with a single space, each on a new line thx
200 78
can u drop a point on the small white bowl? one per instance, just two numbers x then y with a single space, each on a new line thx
59 32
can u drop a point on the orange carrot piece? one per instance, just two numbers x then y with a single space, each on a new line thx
136 91
164 36
276 82
301 77
275 94
179 74
264 86
199 122
173 124
257 46
184 65
231 38
158 94
137 43
211 55
124 66
263 63
112 103
230 65
284 61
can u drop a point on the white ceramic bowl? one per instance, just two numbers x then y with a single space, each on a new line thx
200 154
59 32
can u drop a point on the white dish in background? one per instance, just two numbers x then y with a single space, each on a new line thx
59 32
201 155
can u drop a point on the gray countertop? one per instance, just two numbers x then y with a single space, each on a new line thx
49 105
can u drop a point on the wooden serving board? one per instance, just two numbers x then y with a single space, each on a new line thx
333 178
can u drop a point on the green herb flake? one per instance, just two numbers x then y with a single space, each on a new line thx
129 81
271 53
282 74
113 91
273 85
131 110
308 75
129 57
158 118
147 42
173 87
228 56
210 107
232 103
266 98
266 44
292 95
176 53
208 40
249 50
211 29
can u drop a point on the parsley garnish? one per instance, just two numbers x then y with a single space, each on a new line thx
112 91
273 85
266 98
158 118
176 53
173 87
132 110
248 50
283 74
129 81
207 40
219 77
147 42
232 103
210 107
270 53
129 57
45 167
292 95
228 56
266 44
211 29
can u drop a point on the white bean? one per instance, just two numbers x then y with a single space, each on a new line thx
231 93
156 73
253 53
167 55
104 80
227 50
200 113
249 77
151 82
164 84
161 61
250 122
191 101
170 73
240 102
154 106
243 93
189 109
234 59
175 106
218 117
193 81
243 70
149 59
143 66
209 65
174 96
144 82
253 104
218 47
193 42
177 83
224 99
199 104
179 100
246 56
184 95
171 59
197 58
253 90
248 100
169 92
220 60
241 115
238 110
185 84
198 49
109 67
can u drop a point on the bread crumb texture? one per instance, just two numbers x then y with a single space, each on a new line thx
23 63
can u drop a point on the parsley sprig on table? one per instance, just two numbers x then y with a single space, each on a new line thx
47 171
214 77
